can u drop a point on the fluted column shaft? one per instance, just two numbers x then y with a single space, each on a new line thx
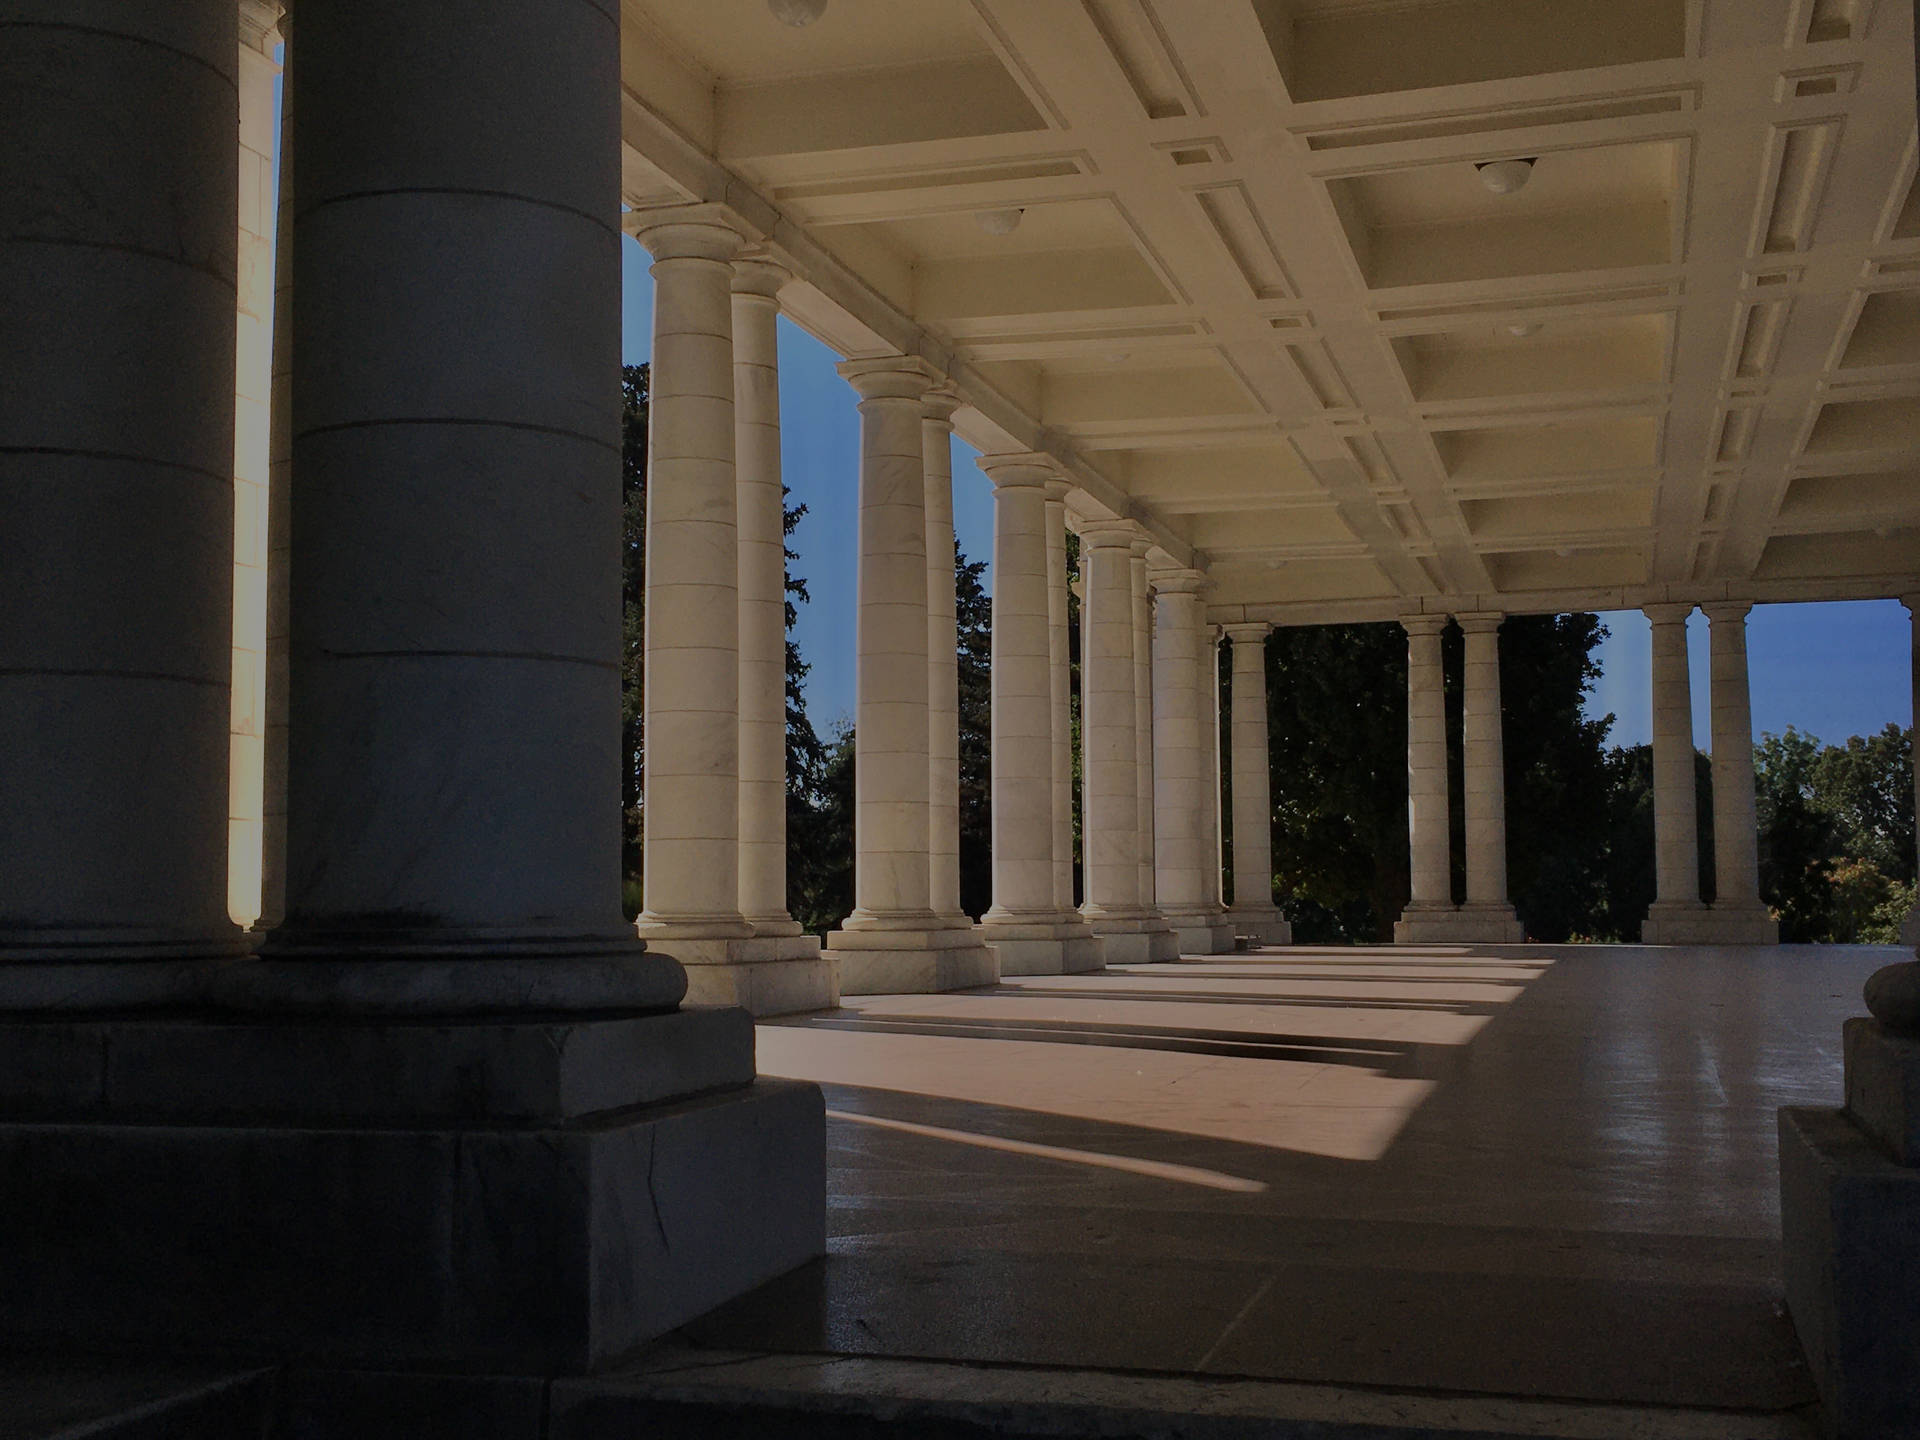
891 792
1143 714
1022 677
1484 756
1179 878
763 597
1251 767
1111 810
1736 843
1676 842
943 669
691 718
118 181
1427 825
1060 668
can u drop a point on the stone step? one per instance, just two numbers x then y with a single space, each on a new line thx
54 1400
688 1394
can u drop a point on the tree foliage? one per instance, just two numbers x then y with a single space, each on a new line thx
973 614
634 390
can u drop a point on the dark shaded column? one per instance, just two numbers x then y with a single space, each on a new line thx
118 177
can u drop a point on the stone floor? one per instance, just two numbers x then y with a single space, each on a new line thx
1523 1171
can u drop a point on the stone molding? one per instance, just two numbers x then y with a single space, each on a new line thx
1674 613
890 377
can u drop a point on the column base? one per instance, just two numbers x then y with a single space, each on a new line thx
1205 934
528 1195
1131 937
1163 945
1850 1230
1040 945
1458 925
1263 927
765 974
911 962
1709 925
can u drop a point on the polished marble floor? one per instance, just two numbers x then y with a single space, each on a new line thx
1525 1170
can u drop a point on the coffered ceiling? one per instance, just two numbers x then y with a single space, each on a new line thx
1260 295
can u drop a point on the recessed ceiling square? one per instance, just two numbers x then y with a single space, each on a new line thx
1553 357
1600 208
1328 49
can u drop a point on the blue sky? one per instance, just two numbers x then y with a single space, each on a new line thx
1832 670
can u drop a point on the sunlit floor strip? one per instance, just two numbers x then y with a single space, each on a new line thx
1186 1174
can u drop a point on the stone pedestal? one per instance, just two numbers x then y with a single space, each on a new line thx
1458 925
1697 924
768 974
531 1195
1850 1223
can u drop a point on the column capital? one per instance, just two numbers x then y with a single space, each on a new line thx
1142 542
890 377
758 275
689 232
1423 624
1728 610
1673 614
1179 582
1024 468
1057 488
261 25
1912 602
1251 632
939 403
1481 622
1106 534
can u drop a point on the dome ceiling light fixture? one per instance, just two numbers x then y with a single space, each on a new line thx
999 222
797 13
1503 177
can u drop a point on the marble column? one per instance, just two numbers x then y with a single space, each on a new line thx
691 716
1212 827
118 277
1162 943
455 1060
893 942
1430 909
1110 808
943 671
1026 928
779 970
1910 930
252 458
454 684
1737 915
1060 666
1253 914
1178 760
273 760
1487 916
1677 916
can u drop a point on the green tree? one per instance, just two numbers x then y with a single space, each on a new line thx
1337 722
973 616
1866 789
633 594
1798 840
820 839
